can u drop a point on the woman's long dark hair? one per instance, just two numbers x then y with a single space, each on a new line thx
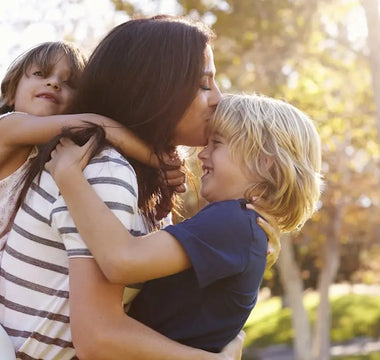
144 74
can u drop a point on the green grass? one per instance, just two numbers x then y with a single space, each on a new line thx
352 316
373 356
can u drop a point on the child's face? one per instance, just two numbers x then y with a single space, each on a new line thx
44 94
223 178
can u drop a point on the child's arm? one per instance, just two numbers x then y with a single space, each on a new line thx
21 129
130 259
18 130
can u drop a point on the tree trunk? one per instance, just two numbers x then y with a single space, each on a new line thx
321 345
371 9
331 260
293 286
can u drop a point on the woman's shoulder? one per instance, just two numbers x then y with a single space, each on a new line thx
112 168
110 155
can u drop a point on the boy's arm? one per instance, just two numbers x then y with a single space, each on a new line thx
20 129
130 259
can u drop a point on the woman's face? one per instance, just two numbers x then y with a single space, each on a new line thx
191 130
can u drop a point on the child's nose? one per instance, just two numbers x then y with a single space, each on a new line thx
203 153
54 83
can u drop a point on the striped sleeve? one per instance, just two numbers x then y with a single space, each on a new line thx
114 180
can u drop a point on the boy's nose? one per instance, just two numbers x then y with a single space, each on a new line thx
203 153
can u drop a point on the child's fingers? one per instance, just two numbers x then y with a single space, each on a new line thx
181 188
67 154
66 142
87 149
174 177
173 173
172 160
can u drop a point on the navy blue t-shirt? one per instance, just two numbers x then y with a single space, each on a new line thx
207 305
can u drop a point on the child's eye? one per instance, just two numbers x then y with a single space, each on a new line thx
71 84
38 73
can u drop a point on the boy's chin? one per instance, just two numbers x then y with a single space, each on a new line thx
205 196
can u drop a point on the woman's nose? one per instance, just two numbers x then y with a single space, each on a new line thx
216 96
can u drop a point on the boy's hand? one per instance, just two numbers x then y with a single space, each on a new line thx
67 157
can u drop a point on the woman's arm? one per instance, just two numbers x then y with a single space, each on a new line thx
21 129
101 330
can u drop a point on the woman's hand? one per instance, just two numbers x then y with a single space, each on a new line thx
67 157
273 233
233 350
274 245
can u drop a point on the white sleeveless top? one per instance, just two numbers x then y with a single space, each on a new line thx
9 191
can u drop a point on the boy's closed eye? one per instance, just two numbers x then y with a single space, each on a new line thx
216 139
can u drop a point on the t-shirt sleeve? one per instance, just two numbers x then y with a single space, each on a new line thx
219 239
114 180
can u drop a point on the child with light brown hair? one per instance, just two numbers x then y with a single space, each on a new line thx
38 86
203 275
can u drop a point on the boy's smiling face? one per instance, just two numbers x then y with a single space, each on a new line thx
223 178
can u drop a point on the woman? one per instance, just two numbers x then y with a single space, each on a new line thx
155 76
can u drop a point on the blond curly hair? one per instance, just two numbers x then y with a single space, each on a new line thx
279 147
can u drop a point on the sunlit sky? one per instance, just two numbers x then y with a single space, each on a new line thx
25 23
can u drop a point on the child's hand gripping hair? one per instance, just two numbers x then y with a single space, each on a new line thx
173 172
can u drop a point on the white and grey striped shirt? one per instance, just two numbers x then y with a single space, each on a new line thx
34 283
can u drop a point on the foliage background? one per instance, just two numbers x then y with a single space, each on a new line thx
313 54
